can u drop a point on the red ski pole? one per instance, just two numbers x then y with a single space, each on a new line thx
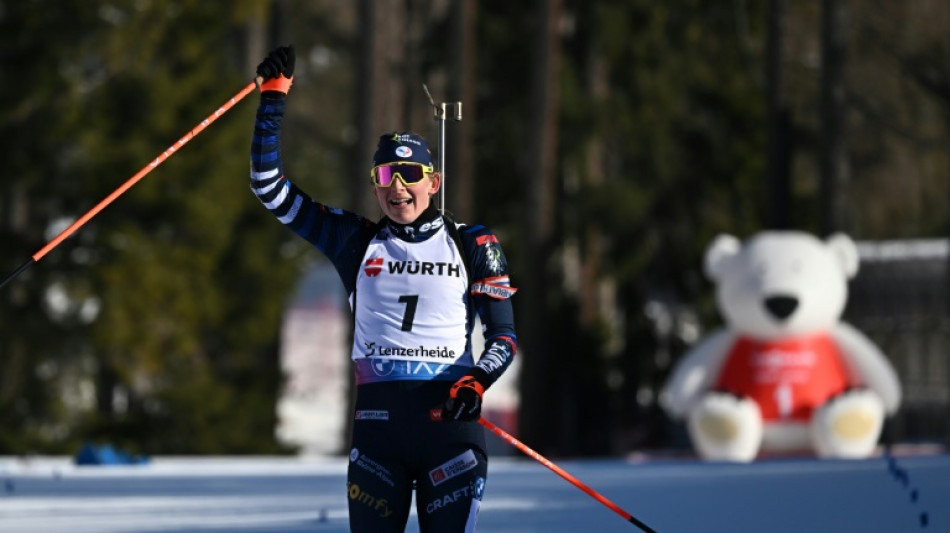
131 181
560 471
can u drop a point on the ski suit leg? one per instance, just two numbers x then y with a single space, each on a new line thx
396 444
379 497
379 483
449 491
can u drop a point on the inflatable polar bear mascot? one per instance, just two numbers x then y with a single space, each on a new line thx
784 373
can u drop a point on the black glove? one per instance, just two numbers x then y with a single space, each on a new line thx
465 400
277 69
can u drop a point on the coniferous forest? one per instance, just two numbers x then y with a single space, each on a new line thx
607 142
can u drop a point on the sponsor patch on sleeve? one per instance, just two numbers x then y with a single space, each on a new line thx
498 287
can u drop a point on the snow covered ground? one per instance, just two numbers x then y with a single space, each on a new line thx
294 495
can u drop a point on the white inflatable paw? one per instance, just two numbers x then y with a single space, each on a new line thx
724 427
848 425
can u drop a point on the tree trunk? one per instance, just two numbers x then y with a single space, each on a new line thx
380 91
777 210
460 139
540 407
833 155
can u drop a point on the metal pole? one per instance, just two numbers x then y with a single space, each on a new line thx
441 112
441 120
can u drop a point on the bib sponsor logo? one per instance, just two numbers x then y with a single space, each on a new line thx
424 268
439 352
459 465
384 367
374 265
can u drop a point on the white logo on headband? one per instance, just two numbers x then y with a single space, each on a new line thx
404 151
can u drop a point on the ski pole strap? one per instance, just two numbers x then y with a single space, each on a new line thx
280 84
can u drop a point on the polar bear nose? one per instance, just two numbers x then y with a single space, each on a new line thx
781 307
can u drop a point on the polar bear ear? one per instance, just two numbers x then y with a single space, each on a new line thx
723 248
845 252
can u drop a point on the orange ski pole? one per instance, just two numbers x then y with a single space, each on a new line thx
560 471
131 181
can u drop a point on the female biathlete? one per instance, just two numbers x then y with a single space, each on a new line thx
415 281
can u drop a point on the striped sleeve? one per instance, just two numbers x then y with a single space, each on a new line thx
328 229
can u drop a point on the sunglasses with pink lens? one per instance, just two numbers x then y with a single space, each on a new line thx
408 173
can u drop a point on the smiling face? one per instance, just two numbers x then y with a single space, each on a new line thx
404 204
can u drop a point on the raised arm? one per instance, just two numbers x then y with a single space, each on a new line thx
330 230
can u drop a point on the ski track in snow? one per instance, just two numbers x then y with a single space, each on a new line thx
295 495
